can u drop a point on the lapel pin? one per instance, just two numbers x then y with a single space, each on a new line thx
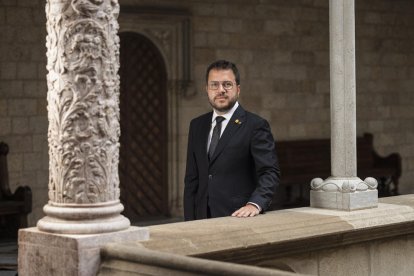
238 121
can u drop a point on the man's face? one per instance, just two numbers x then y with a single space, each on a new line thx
222 99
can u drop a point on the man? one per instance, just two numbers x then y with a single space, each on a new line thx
232 169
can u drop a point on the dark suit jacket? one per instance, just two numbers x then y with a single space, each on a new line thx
244 167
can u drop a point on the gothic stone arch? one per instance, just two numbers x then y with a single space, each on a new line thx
169 31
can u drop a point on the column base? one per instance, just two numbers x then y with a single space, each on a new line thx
92 226
42 253
83 219
344 193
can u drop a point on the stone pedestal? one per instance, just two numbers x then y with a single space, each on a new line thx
343 201
344 193
42 253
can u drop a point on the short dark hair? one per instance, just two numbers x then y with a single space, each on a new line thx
224 65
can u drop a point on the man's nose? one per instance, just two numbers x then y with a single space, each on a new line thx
221 88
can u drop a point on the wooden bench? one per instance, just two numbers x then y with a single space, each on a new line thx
301 161
14 207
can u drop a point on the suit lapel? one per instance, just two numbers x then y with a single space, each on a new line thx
231 128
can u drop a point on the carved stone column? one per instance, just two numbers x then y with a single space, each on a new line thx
83 111
343 190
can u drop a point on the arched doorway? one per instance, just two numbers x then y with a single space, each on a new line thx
143 106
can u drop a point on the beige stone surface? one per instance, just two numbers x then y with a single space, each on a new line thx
392 257
375 242
274 231
126 260
350 260
42 253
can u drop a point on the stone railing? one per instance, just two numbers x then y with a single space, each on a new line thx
375 241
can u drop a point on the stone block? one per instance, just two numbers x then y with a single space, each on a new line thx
302 263
313 14
229 54
392 257
208 24
203 9
22 107
27 70
32 161
20 125
40 142
297 131
5 126
37 54
252 25
2 16
42 106
20 143
200 39
38 124
18 16
204 56
3 108
279 27
25 37
8 70
231 25
39 17
303 57
350 260
344 201
274 100
30 88
42 253
9 3
241 10
11 89
27 3
376 126
289 72
321 58
42 178
217 40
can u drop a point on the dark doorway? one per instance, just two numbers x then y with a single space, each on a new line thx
143 107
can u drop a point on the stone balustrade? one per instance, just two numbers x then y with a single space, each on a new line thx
375 241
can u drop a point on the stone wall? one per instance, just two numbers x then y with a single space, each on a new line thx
282 50
23 90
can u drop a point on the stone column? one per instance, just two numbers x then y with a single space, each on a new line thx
343 190
83 213
83 112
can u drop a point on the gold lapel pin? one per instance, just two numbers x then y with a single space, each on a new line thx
238 121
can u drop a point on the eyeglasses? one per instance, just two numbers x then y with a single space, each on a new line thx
214 85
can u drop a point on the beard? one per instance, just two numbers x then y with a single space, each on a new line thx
223 107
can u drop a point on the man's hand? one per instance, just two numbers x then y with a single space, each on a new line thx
246 211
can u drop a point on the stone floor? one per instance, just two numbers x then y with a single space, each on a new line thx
8 257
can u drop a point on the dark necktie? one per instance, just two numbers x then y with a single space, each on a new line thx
216 136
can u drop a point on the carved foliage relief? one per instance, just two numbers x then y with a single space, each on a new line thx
83 100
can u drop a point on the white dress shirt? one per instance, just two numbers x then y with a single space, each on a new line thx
224 123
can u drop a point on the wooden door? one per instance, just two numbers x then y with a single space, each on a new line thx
143 107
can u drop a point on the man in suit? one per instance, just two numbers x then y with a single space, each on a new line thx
232 168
